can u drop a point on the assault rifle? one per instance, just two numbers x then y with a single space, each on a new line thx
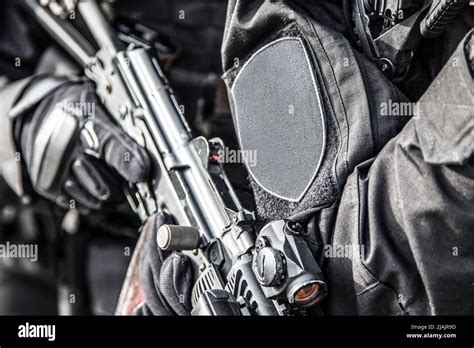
241 272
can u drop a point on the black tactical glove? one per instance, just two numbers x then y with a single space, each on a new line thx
73 151
166 277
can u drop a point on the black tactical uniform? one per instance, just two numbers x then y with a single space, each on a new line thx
396 192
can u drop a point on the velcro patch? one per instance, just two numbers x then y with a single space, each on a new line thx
279 118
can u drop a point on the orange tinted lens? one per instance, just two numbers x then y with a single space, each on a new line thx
307 293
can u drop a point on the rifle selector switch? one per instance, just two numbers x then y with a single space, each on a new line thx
269 266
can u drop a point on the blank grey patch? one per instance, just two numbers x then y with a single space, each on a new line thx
279 119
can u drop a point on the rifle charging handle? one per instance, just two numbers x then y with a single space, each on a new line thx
175 237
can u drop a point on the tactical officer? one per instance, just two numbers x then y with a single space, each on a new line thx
394 187
60 152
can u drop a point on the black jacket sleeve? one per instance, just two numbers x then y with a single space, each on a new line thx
410 212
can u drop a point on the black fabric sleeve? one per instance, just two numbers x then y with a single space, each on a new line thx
411 213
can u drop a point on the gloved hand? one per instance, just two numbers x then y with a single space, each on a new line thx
60 8
74 154
166 277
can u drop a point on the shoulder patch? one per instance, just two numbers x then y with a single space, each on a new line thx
279 118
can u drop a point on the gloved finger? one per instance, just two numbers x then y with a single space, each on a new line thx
154 299
176 282
120 152
90 178
150 265
172 272
77 193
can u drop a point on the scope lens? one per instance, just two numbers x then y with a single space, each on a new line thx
307 294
